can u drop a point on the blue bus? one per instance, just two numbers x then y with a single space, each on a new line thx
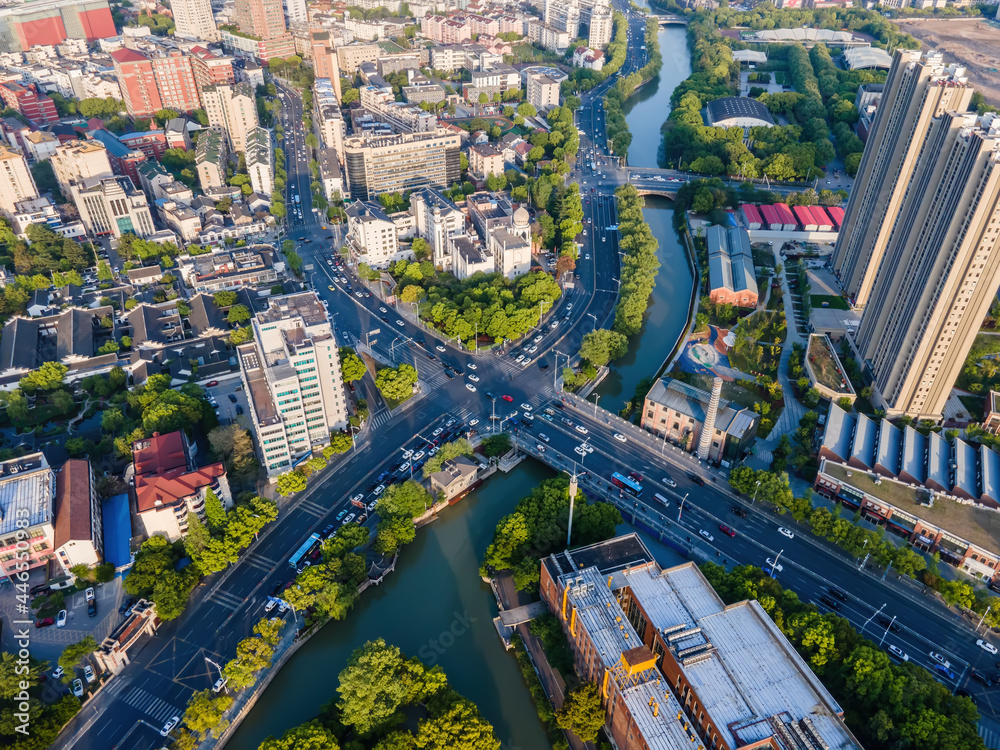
307 545
628 484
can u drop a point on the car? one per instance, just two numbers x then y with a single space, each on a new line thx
270 605
696 479
581 429
635 475
341 514
232 398
537 338
840 594
533 349
986 646
787 533
708 536
727 530
382 310
418 455
449 374
219 684
940 659
474 378
830 602
407 453
172 722
945 671
211 383
587 256
78 688
239 409
92 608
44 622
981 677
526 407
359 294
737 510
381 488
898 653
470 387
89 594
620 438
580 451
58 672
61 619
350 517
437 431
440 348
88 673
520 358
777 566
508 399
331 287
473 422
433 450
540 447
543 437
491 395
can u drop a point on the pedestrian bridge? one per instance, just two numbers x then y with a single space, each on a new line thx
670 20
663 182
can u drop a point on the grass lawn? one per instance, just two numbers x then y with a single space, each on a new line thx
394 403
837 303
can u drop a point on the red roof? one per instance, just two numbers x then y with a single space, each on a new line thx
787 217
125 55
821 218
803 215
72 508
751 213
771 216
159 454
154 491
837 214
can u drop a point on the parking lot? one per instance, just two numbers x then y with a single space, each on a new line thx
226 395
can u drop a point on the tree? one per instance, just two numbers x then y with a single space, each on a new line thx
496 445
372 688
526 110
233 445
291 482
225 298
352 368
238 314
309 736
601 346
340 442
204 713
47 377
460 726
74 653
582 712
421 248
396 384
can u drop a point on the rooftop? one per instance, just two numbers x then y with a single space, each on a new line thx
730 107
693 402
72 505
27 486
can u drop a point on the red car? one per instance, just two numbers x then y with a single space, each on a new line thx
635 475
508 398
726 530
212 383
44 622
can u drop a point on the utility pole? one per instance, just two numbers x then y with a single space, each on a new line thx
871 618
681 508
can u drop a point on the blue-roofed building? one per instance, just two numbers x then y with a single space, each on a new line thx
966 483
865 440
913 467
890 444
117 531
124 160
990 463
938 460
838 435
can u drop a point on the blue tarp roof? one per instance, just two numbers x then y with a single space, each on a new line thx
117 530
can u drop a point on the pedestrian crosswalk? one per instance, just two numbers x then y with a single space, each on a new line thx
313 508
156 708
381 418
257 560
225 599
991 737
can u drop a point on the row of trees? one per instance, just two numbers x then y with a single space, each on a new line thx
217 543
639 264
538 526
617 127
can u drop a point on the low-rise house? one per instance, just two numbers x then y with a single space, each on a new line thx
78 534
455 477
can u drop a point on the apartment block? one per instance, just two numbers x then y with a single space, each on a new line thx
435 219
260 161
39 109
264 32
371 235
160 80
241 45
676 666
325 63
113 206
27 518
194 20
485 159
399 163
350 57
210 160
330 174
232 112
291 372
78 162
16 182
211 69
543 92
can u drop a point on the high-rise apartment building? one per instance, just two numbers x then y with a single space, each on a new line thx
399 163
918 90
264 20
260 161
113 206
927 202
211 69
194 20
291 372
325 63
295 11
162 80
232 112
567 15
76 162
16 183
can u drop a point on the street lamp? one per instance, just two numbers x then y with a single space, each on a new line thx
597 397
871 618
754 498
888 628
595 319
981 618
681 508
774 567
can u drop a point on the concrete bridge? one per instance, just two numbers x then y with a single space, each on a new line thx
668 20
666 182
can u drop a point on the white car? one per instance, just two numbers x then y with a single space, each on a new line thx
986 646
669 482
437 432
271 604
219 684
171 723
382 310
579 450
540 447
587 256
350 517
78 687
526 406
58 672
587 447
440 348
474 378
708 536
407 453
418 455
400 323
359 294
581 429
543 437
620 438
357 498
939 658
776 567
538 338
470 387
785 532
472 365
61 619
473 422
371 505
520 358
898 653
533 349
432 451
88 673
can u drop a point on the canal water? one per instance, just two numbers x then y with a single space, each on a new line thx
645 113
433 606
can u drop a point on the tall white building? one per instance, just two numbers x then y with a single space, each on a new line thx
113 206
232 111
16 183
260 161
291 372
371 234
194 20
295 11
78 162
436 218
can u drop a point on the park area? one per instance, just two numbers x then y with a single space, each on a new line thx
825 365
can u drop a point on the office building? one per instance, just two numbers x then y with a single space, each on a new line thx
169 485
27 488
676 666
687 416
194 20
16 182
295 11
113 206
400 163
52 22
232 112
78 534
291 372
79 162
919 89
163 79
210 160
435 219
927 205
260 161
